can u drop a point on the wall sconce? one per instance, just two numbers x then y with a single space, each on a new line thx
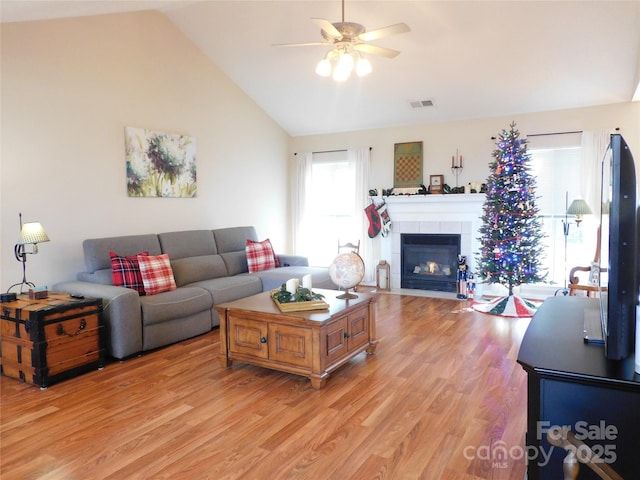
383 275
31 233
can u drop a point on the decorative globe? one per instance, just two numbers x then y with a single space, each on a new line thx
347 271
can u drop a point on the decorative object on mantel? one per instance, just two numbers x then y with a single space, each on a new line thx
375 222
291 297
347 271
472 187
510 237
407 164
436 183
379 220
160 164
456 166
385 218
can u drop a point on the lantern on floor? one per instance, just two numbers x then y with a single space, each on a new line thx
383 275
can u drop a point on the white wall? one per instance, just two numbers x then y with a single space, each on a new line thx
472 138
70 86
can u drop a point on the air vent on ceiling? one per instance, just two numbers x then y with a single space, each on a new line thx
421 103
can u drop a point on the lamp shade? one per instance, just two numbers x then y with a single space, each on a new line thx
579 207
32 232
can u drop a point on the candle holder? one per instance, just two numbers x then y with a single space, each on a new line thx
456 166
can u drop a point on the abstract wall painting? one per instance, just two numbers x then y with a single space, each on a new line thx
160 164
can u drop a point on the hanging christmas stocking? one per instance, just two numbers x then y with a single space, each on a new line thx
374 220
385 219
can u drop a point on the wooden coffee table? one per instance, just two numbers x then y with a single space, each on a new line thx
311 343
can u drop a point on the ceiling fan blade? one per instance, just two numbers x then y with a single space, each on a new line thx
375 50
384 32
300 44
328 27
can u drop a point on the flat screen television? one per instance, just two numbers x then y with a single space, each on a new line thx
620 243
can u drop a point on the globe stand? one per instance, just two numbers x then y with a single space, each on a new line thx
346 295
346 272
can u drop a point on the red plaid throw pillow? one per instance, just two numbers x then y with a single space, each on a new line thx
157 274
260 255
125 271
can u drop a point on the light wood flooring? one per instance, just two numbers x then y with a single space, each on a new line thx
442 386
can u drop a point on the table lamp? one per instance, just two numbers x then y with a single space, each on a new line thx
31 233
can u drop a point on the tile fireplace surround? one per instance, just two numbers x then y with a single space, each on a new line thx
454 213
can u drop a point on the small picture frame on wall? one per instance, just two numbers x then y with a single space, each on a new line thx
436 183
407 164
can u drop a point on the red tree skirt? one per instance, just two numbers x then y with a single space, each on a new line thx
510 306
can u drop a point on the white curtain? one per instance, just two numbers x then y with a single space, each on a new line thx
594 146
360 161
300 200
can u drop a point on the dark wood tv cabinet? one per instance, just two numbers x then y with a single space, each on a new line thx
572 383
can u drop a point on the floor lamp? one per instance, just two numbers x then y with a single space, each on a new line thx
578 208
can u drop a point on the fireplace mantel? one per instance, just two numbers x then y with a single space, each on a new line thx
454 213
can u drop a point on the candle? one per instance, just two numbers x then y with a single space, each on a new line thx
306 281
292 285
460 161
383 279
453 161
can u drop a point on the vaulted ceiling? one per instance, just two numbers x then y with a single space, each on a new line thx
472 59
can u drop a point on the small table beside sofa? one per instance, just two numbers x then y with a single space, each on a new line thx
209 267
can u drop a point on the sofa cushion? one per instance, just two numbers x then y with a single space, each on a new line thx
96 250
233 239
103 276
190 243
157 274
174 304
232 288
260 255
274 278
193 269
125 271
236 262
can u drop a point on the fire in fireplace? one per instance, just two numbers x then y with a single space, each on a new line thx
429 261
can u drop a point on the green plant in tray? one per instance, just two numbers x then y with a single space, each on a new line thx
301 295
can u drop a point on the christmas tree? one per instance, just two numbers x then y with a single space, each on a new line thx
511 250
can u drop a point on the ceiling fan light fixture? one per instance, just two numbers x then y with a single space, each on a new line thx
345 62
363 67
348 40
324 67
341 73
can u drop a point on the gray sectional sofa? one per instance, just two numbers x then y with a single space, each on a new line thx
209 266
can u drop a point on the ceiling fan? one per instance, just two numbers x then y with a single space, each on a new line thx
349 41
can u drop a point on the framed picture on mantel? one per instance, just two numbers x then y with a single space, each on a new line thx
407 164
436 183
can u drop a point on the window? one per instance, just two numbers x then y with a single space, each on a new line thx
331 212
556 162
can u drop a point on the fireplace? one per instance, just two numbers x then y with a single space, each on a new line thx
429 261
